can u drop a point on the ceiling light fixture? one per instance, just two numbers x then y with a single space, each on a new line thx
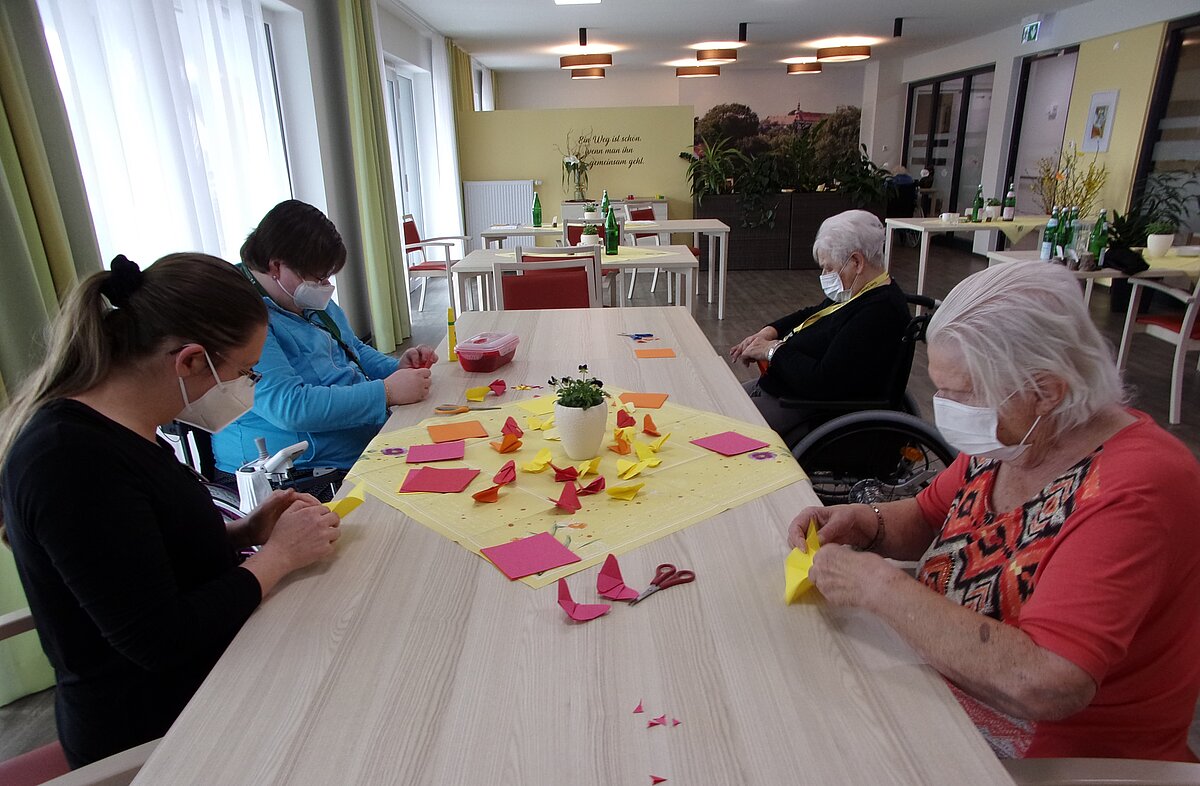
691 72
716 56
843 54
587 73
804 68
571 62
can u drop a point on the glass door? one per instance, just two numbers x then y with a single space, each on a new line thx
402 136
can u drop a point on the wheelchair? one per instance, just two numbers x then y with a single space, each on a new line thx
873 450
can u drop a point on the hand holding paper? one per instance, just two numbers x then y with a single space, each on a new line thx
796 580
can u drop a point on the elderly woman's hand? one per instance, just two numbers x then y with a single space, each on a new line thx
768 334
849 525
847 577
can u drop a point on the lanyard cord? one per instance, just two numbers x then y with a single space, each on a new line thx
878 281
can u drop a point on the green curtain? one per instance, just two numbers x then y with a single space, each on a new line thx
379 223
49 242
462 86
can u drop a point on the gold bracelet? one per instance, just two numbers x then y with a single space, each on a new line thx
878 539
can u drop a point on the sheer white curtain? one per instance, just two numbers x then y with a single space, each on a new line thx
173 112
447 218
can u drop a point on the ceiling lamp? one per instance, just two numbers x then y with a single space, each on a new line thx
571 62
691 72
843 54
587 73
804 68
716 56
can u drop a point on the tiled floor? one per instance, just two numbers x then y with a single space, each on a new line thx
753 298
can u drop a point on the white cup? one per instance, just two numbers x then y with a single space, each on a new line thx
949 218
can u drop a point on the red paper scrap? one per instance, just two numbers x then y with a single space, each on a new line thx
498 387
729 443
534 554
444 451
638 708
659 721
511 427
610 583
675 721
655 779
580 612
562 474
568 500
490 494
595 487
624 419
442 481
649 428
506 475
508 444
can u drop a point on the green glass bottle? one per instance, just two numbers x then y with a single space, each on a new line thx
537 210
1048 235
610 232
1066 232
604 205
977 205
1010 202
1099 238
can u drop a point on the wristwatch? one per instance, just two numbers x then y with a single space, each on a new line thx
771 351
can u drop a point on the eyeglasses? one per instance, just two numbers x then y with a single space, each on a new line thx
248 373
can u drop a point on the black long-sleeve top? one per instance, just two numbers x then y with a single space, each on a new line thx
130 575
844 355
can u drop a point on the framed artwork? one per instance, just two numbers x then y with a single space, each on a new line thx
1100 116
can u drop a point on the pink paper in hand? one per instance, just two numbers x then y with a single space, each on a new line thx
729 443
580 612
527 556
443 451
442 481
610 583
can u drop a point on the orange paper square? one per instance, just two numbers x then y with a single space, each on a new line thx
644 400
666 352
448 432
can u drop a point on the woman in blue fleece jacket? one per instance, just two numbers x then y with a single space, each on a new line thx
320 383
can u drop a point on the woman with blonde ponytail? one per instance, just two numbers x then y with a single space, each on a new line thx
132 576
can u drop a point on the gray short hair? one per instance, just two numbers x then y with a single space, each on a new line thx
1017 321
843 234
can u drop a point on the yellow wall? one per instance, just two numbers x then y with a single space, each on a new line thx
520 145
1130 69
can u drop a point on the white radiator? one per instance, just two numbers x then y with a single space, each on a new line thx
491 202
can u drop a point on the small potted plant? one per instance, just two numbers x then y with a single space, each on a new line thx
589 236
991 211
580 414
591 211
1160 236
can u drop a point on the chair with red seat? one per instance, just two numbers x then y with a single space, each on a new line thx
1180 330
641 213
565 278
572 238
428 268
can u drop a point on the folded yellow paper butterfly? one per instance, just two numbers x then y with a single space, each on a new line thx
796 581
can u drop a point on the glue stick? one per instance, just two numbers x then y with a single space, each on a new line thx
451 338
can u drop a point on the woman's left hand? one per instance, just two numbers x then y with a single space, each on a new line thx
847 577
420 356
254 529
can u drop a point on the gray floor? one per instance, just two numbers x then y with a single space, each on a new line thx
753 298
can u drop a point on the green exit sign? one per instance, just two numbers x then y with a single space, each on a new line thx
1029 33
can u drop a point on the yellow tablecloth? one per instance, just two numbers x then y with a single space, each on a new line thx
691 484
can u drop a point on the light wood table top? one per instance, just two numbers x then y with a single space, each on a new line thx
407 659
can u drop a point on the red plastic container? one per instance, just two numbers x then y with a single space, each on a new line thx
487 351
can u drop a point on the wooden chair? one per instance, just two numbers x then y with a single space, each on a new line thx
1101 772
48 764
1180 330
428 268
564 278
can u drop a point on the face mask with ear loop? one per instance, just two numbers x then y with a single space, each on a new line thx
831 285
972 430
222 404
309 296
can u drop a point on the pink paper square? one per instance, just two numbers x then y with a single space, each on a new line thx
443 481
527 556
443 451
729 443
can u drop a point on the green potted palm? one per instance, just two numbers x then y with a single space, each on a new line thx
580 414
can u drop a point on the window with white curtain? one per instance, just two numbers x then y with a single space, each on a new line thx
173 111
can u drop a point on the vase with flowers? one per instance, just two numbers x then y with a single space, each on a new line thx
580 414
575 164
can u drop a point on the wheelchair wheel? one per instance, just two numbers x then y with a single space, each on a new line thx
899 453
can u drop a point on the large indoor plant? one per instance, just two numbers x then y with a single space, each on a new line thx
580 414
575 164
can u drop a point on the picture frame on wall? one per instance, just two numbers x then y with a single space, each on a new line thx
1097 130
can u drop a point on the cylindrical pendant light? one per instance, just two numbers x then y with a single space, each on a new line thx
691 72
843 54
587 73
804 68
571 62
716 56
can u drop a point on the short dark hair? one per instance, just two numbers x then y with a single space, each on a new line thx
298 235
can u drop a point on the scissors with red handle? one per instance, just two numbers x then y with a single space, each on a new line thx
665 575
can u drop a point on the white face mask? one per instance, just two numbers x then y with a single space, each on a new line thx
972 430
309 296
221 405
831 285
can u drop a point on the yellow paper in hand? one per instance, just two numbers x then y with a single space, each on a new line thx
796 580
645 455
539 463
344 506
477 394
589 467
624 492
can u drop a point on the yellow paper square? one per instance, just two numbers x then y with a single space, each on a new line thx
542 405
344 506
477 394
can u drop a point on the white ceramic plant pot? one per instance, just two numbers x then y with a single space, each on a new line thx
992 212
589 240
1158 245
591 215
581 430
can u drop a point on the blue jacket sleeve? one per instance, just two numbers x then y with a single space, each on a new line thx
377 364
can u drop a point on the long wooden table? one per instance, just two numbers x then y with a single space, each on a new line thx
406 659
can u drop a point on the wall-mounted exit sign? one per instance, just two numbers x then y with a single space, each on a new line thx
1029 33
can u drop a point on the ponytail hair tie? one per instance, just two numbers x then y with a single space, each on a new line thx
124 278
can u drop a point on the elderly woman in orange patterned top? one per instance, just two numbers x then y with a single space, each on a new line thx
1059 569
